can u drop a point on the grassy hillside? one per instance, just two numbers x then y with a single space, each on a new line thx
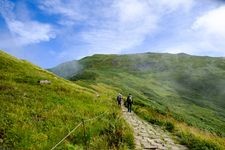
67 69
37 116
183 93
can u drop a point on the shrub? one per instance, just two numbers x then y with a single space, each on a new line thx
169 126
155 121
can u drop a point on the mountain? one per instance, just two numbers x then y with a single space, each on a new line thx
67 69
183 93
38 109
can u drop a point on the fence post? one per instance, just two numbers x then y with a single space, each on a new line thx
84 135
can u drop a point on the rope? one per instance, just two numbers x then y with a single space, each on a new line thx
94 117
66 136
75 129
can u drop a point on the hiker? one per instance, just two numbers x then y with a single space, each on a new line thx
129 102
119 99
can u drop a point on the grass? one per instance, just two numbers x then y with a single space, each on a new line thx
37 116
188 89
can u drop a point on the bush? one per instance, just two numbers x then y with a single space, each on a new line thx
155 121
169 126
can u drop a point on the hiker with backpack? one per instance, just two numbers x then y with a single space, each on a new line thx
119 99
129 102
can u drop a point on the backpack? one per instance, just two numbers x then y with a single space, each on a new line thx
119 97
129 99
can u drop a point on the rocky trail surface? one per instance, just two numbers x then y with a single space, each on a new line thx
148 136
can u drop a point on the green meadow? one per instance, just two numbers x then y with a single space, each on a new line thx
182 93
38 116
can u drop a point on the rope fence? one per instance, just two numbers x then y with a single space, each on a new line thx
76 127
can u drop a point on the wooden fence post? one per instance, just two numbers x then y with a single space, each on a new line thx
84 135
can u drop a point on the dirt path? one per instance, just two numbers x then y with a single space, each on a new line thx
148 136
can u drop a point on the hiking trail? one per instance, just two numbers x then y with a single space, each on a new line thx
149 136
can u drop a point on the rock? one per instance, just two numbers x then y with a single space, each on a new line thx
151 147
145 134
44 82
158 141
146 144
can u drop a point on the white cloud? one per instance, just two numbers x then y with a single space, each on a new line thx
211 23
69 10
209 31
25 32
130 22
203 32
30 32
130 11
114 26
172 5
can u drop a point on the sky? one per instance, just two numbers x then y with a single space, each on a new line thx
50 32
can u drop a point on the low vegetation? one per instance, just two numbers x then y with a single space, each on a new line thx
182 93
38 116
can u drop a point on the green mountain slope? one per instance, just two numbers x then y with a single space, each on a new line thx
183 91
37 116
67 69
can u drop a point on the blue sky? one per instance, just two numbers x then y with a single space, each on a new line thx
49 32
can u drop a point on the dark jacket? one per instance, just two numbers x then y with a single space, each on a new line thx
129 99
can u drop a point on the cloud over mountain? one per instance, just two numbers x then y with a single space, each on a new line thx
67 29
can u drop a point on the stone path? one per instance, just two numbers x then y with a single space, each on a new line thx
148 136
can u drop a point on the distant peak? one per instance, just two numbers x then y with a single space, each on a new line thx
183 54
